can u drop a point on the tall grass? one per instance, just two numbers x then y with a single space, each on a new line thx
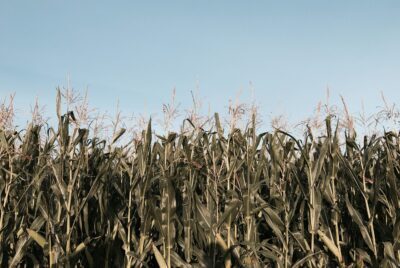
198 198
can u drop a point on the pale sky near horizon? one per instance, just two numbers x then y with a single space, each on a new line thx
138 51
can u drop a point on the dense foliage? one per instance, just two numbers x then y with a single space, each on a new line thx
200 199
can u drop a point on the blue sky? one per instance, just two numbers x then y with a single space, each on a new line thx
137 52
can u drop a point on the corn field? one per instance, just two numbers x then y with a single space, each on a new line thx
206 198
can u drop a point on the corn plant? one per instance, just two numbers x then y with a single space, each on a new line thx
198 198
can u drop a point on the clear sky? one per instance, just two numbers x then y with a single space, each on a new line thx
138 51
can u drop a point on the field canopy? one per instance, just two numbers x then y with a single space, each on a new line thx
199 198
